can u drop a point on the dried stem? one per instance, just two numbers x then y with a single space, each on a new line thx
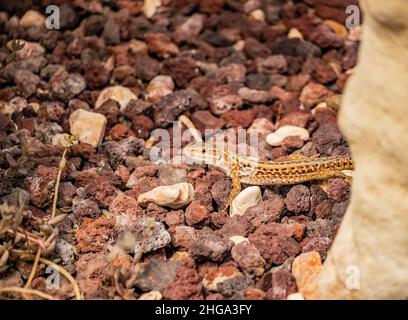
28 291
34 268
61 167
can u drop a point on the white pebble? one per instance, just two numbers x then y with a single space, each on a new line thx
295 296
152 295
175 196
245 199
238 239
275 139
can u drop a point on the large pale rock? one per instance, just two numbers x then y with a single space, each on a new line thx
369 257
89 127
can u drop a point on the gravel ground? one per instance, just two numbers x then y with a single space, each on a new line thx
111 76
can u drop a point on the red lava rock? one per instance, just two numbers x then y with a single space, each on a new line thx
110 109
203 119
298 119
283 284
123 204
41 185
208 245
274 242
170 107
190 28
136 107
174 218
54 110
319 244
66 86
6 124
326 115
143 185
182 236
326 138
90 273
156 275
119 131
139 173
102 191
142 126
314 93
238 118
215 296
271 64
254 294
319 228
65 194
325 38
295 47
333 9
161 44
196 213
254 49
94 234
338 190
292 143
181 70
323 209
87 176
248 258
83 150
26 82
235 226
297 82
96 76
186 286
298 199
265 211
218 219
220 192
86 207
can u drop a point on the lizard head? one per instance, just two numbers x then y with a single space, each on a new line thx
204 153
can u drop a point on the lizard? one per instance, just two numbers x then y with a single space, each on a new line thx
248 170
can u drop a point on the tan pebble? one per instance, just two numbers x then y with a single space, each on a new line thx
175 196
118 93
295 296
246 198
159 87
238 239
239 45
152 295
150 6
338 28
32 18
88 127
295 34
275 139
257 15
306 269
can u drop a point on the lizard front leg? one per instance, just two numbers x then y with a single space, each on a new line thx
236 187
